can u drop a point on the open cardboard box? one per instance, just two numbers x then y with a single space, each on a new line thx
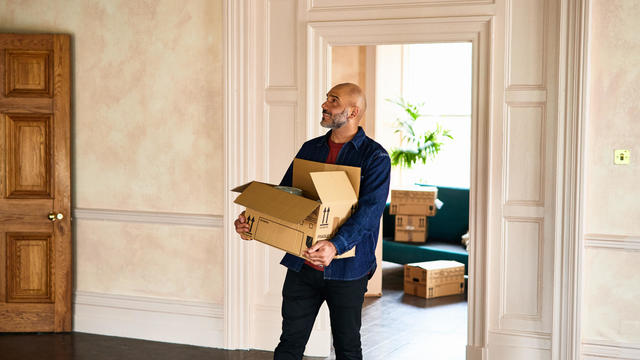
294 223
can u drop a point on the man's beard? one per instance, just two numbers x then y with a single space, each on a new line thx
335 121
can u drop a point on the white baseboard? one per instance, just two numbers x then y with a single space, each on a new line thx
599 349
476 353
166 320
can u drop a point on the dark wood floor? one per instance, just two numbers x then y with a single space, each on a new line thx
395 326
399 326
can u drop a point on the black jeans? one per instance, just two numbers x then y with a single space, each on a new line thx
302 294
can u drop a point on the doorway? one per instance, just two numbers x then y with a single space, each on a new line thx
325 37
280 117
436 80
524 56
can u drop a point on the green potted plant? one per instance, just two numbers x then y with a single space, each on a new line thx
414 146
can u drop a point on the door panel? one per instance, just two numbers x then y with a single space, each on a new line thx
28 73
35 250
29 268
29 151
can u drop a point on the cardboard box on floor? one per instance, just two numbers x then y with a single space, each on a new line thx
294 223
416 201
432 279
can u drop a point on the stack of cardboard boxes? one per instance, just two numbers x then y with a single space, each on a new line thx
412 207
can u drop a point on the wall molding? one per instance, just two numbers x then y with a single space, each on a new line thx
239 143
351 4
526 339
148 217
572 115
611 241
157 319
475 352
598 349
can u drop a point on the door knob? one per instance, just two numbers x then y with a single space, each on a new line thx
54 217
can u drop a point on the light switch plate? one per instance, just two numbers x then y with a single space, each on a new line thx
622 157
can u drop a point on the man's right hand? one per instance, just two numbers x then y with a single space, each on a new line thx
242 227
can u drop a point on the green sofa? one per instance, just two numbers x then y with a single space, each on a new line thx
444 232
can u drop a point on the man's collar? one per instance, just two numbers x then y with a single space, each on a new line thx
356 140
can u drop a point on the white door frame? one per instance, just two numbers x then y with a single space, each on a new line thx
476 30
239 18
572 108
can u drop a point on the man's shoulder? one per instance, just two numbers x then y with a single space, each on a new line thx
374 148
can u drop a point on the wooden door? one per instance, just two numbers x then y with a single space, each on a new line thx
35 251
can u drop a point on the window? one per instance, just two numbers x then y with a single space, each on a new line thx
438 75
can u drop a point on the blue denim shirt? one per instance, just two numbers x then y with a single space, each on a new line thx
362 227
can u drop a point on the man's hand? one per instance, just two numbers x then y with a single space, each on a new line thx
242 227
321 253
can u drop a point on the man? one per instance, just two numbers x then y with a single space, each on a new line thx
340 282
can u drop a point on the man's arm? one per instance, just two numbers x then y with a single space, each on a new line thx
374 189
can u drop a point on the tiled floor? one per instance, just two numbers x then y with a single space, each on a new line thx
395 326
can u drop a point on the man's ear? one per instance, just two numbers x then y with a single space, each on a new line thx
354 112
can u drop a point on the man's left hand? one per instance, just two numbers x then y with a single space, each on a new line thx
321 253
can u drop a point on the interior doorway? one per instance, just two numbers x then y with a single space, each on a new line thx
436 80
325 37
253 294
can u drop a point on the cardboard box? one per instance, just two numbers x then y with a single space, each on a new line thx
411 228
412 236
434 278
294 223
417 201
411 222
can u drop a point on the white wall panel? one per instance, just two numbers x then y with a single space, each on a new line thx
275 274
281 52
522 353
525 154
525 45
522 280
523 301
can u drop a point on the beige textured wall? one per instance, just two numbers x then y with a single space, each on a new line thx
612 283
147 136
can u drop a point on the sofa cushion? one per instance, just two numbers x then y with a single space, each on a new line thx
406 253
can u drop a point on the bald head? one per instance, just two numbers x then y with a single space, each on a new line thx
351 95
344 107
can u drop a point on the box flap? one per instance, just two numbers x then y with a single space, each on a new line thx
334 187
241 188
418 188
302 180
277 203
437 264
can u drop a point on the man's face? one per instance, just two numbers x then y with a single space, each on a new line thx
334 112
